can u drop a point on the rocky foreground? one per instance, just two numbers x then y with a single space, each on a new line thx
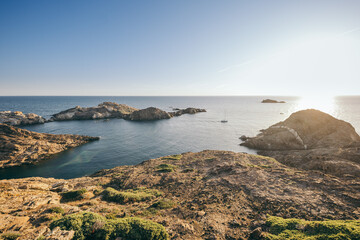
205 195
19 146
311 140
113 110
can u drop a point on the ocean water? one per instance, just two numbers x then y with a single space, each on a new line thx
127 142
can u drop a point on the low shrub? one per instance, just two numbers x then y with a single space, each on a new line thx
73 195
296 229
57 210
89 225
131 195
10 235
163 204
173 157
165 168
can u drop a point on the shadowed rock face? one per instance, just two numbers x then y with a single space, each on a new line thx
19 146
18 118
307 129
216 195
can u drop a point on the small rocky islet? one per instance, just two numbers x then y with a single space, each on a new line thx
105 110
306 187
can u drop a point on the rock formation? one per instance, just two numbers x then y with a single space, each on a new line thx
146 114
18 118
114 110
307 129
311 139
19 146
207 195
102 111
271 101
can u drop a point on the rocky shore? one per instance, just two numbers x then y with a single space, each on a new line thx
311 140
19 146
205 195
18 118
114 110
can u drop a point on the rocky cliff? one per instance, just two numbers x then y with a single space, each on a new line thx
19 146
206 195
18 118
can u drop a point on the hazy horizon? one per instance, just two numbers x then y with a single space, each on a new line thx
180 48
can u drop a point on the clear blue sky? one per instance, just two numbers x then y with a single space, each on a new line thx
184 47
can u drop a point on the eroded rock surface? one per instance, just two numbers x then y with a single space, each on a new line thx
18 118
19 146
150 113
216 195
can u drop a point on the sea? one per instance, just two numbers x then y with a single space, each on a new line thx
130 142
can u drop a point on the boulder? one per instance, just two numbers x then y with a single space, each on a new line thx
18 118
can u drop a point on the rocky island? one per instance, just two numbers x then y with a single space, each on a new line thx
205 195
18 118
114 110
271 101
311 139
20 146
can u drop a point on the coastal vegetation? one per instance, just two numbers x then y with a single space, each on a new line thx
164 167
299 229
88 225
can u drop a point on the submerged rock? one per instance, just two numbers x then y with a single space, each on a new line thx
19 146
18 118
271 101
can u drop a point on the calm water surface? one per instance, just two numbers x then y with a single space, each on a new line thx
126 142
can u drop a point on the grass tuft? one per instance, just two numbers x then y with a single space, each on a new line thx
131 195
165 168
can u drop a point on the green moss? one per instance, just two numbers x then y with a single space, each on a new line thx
10 236
41 238
173 157
93 226
57 210
132 195
165 168
163 204
297 229
73 195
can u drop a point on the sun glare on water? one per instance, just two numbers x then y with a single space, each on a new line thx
321 102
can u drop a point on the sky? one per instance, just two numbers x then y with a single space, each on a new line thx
180 48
